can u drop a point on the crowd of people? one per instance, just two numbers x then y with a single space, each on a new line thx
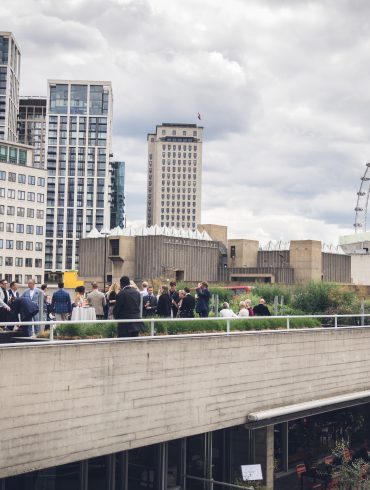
119 301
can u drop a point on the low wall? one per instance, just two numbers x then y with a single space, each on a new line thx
64 402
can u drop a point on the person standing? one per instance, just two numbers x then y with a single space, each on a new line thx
36 296
187 305
61 303
127 307
149 303
261 309
13 291
144 291
4 301
203 299
164 303
97 300
111 298
175 298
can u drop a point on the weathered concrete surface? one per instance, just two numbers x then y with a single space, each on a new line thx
72 401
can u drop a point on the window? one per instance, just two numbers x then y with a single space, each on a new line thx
19 245
12 177
30 196
2 175
41 181
18 278
10 210
9 244
20 228
38 262
22 157
2 191
10 227
9 261
28 262
29 229
19 262
31 180
40 197
40 214
38 247
21 195
29 246
59 99
39 230
11 193
20 212
30 213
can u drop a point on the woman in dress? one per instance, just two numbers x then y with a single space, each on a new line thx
111 298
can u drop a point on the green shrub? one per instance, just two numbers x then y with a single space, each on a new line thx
269 291
86 330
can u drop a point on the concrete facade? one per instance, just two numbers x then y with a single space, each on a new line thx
305 258
174 191
88 398
22 214
218 233
244 253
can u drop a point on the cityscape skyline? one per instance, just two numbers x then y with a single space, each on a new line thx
280 90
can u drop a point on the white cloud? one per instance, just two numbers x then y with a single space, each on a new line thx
282 88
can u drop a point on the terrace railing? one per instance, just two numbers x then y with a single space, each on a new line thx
282 323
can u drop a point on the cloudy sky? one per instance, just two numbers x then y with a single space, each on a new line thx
283 88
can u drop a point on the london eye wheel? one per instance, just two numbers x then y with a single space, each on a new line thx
363 196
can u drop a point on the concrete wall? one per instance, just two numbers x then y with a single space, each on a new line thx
124 263
218 233
360 269
336 267
92 260
305 258
246 252
71 401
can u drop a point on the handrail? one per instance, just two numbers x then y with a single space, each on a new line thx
153 320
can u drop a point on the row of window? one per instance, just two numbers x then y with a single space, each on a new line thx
173 147
31 196
13 155
20 262
178 155
184 132
22 178
178 224
10 211
19 277
21 228
19 245
172 196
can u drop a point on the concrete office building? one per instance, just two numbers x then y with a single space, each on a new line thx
117 195
10 60
79 126
175 176
32 126
22 214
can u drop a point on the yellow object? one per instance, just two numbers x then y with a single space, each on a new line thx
71 280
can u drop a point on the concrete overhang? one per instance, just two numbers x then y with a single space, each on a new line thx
306 409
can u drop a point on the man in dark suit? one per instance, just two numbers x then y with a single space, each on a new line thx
12 291
261 309
203 299
127 307
187 305
149 303
24 309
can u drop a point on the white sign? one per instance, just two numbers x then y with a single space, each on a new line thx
252 472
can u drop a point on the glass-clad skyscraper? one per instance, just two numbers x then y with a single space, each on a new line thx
79 121
117 214
10 61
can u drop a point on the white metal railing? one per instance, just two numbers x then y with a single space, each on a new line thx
286 322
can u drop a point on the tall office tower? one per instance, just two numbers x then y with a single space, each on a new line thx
117 213
175 175
32 126
10 61
78 125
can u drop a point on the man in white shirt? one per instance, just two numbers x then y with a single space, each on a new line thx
36 296
144 291
226 312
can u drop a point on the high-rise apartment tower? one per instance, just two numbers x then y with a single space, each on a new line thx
175 175
32 126
10 61
78 125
